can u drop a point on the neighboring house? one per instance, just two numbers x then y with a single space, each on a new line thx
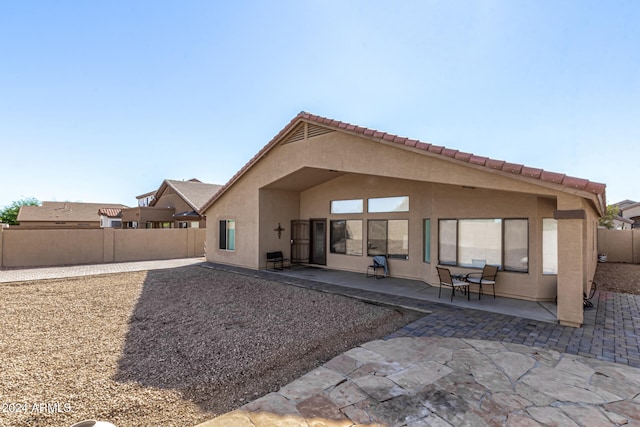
629 215
176 204
332 194
145 199
64 215
110 217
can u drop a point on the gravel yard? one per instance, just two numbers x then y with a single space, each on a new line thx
166 348
618 277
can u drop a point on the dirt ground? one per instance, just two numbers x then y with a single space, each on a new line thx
618 277
166 348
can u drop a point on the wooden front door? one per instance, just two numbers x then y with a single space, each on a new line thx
299 241
318 254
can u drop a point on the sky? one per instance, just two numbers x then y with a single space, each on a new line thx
101 101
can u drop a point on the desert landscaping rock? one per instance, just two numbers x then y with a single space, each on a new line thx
167 347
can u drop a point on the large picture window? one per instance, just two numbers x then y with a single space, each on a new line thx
346 237
388 237
478 242
516 245
447 239
227 235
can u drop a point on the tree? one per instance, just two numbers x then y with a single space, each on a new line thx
611 212
9 215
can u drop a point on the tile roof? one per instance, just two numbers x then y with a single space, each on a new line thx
569 182
110 212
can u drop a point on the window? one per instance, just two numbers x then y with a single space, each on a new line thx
427 240
549 246
346 206
346 237
477 242
447 238
388 237
227 236
389 204
516 245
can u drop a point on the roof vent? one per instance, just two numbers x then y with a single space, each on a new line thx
296 135
315 130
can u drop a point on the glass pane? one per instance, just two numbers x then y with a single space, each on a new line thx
346 206
231 233
318 242
516 245
337 237
389 204
549 246
427 240
479 242
398 238
447 241
354 237
377 238
222 235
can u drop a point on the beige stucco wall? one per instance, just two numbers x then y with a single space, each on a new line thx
39 248
436 201
620 245
242 206
438 188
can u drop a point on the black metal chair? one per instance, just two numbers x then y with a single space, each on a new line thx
486 278
446 280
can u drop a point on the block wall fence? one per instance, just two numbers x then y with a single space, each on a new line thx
47 248
620 245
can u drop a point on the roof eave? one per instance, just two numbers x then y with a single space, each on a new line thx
585 188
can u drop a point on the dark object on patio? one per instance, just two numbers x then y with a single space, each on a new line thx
587 304
486 278
446 280
379 263
276 258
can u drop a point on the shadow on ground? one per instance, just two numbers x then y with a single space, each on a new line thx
222 339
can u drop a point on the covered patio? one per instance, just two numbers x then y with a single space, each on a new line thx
393 287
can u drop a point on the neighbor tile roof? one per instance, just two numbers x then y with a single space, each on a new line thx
110 212
494 164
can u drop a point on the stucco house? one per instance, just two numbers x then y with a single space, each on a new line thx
110 217
175 204
629 215
333 194
66 214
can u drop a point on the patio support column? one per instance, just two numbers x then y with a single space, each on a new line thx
571 274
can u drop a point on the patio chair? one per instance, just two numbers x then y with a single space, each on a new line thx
446 280
486 278
379 263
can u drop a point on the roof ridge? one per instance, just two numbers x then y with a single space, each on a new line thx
571 182
514 168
